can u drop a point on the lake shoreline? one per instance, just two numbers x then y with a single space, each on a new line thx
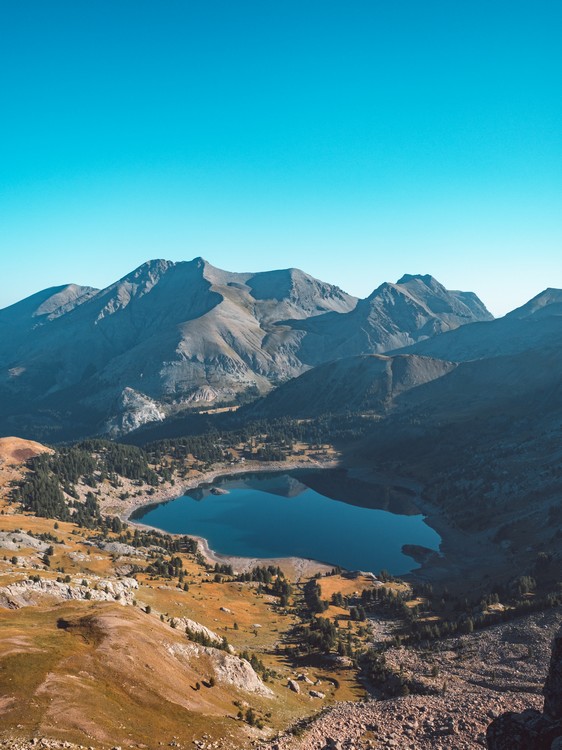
300 567
304 566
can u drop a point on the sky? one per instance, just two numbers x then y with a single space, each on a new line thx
358 141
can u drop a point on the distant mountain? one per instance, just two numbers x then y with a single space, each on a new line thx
19 319
547 303
535 325
393 316
174 336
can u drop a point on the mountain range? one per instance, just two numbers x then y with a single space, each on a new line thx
171 337
460 371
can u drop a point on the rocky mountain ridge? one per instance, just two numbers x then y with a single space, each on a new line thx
174 336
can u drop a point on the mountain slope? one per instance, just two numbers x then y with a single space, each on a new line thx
535 325
393 316
179 333
366 382
484 439
19 319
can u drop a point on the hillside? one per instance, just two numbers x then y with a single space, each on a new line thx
364 383
393 316
535 325
14 452
114 635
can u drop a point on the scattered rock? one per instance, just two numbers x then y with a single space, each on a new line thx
27 592
531 729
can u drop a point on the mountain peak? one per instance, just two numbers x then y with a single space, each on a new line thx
177 331
547 302
48 302
425 279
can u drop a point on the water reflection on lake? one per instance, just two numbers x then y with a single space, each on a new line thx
323 515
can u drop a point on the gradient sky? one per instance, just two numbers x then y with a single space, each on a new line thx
357 141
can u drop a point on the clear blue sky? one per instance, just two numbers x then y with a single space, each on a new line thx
357 140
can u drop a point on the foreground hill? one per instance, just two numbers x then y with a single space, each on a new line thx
14 452
175 336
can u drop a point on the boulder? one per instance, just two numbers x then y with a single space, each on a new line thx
532 730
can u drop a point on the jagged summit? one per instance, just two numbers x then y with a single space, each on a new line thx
427 279
392 317
535 325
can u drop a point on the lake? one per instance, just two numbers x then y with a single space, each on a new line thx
322 515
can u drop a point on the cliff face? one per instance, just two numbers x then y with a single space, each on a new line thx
533 730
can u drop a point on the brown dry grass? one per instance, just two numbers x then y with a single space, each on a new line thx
112 681
14 452
109 679
344 585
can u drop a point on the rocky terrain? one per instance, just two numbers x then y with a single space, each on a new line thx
531 728
477 678
414 309
532 327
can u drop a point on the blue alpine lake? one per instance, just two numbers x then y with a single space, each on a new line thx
321 515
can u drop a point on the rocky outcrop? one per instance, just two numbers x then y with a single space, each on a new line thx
553 685
294 686
27 592
195 628
533 730
16 540
225 667
118 548
133 411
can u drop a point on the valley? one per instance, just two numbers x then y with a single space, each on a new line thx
91 584
309 429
